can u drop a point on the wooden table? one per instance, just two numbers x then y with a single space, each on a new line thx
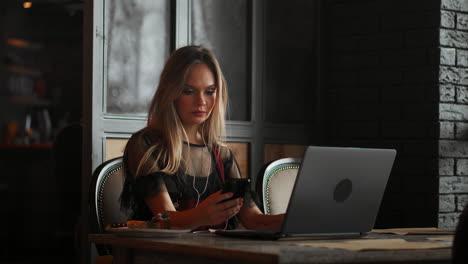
210 248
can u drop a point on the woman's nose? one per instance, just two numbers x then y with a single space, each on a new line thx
201 99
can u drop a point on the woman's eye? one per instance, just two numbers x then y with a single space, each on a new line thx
187 91
211 91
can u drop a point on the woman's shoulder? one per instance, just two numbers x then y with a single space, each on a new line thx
224 150
136 147
142 139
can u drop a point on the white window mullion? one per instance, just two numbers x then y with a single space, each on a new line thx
182 21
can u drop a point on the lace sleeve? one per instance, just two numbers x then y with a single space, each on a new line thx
136 146
150 185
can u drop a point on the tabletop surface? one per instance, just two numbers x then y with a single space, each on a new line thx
281 251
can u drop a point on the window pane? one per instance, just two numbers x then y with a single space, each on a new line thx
290 60
138 43
222 26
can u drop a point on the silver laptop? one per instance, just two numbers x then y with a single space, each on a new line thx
337 193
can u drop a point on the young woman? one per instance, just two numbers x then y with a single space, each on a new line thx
178 164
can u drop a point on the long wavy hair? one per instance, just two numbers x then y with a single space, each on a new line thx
163 119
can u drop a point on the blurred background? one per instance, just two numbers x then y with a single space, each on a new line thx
41 66
76 78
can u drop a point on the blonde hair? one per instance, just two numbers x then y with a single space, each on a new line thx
163 120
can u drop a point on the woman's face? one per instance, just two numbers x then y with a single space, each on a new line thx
198 97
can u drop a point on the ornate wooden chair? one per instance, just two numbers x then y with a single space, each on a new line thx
275 182
106 186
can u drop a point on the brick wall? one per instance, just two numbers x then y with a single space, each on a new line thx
453 111
381 90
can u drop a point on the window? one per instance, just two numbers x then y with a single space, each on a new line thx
137 44
224 27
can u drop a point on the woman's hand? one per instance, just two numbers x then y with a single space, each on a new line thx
269 221
213 211
252 218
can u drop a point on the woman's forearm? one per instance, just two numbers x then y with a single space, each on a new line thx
214 210
183 219
253 218
161 203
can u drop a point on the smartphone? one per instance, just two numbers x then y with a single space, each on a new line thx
237 186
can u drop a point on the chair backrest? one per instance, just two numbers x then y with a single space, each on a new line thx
106 186
275 182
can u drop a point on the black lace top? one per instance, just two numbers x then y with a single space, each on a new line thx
199 177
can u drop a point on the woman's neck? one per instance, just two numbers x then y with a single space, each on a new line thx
194 135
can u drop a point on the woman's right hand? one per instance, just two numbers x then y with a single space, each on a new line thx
212 211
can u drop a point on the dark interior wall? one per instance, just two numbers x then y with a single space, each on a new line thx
39 182
46 72
381 90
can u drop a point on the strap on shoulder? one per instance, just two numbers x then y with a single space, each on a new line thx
219 162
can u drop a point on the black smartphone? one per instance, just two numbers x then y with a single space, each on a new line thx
237 186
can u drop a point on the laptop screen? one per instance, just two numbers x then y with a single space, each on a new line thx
338 190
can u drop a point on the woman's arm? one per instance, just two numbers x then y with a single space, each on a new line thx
209 212
252 218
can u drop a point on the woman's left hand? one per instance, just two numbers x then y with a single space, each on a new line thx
269 221
252 218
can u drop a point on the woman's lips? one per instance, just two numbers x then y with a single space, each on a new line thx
199 113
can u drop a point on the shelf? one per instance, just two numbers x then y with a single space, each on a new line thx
21 70
27 100
23 44
26 146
